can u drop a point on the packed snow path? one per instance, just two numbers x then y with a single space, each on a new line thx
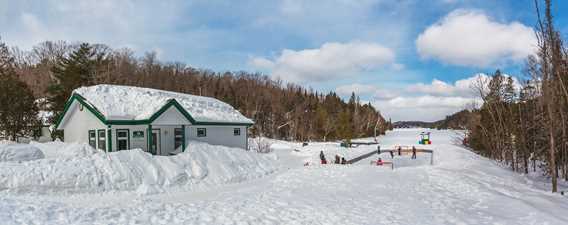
460 188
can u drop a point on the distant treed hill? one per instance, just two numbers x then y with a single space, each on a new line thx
410 124
456 121
284 111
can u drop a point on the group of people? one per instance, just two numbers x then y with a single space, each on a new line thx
380 161
399 149
338 159
341 160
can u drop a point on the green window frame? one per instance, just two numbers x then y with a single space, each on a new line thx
237 132
92 136
120 138
101 139
201 132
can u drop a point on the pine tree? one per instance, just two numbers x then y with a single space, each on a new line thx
6 60
345 130
76 70
18 111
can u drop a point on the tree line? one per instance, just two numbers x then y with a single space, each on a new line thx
527 127
52 70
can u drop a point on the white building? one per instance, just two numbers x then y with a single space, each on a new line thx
113 118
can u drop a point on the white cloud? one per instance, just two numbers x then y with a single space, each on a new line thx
366 90
424 108
358 89
261 63
330 61
419 101
428 101
463 88
471 38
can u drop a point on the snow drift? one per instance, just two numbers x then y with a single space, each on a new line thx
19 152
132 170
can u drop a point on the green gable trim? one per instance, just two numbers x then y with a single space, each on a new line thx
156 115
174 103
81 100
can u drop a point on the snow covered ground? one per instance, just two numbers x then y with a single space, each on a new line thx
460 188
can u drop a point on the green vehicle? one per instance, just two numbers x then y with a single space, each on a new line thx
425 138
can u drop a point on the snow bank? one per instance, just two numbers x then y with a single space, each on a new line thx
133 170
19 152
58 149
136 103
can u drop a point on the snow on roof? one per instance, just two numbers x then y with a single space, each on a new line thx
135 103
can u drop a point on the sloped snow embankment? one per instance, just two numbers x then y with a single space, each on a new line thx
84 170
19 152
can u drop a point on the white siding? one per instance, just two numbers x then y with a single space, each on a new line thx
220 135
78 123
167 122
171 117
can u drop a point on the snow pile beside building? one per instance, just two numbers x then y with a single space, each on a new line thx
58 149
19 152
132 170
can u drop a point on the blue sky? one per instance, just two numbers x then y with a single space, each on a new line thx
403 56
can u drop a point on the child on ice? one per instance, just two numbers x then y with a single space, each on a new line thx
322 158
379 162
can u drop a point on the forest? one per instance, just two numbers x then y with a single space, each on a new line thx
48 73
526 127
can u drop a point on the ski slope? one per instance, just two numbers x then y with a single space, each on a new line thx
460 188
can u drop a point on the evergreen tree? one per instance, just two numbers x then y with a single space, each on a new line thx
6 60
18 111
76 70
345 130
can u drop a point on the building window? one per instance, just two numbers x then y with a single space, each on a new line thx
122 139
102 140
201 132
93 138
138 134
237 132
178 137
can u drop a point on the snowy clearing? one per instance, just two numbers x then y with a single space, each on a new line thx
460 188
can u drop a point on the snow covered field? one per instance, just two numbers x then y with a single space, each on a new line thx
460 188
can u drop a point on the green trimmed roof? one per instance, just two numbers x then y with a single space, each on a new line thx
125 105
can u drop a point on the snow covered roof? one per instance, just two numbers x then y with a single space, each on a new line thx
116 102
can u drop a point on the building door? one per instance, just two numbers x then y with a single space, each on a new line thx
122 139
155 145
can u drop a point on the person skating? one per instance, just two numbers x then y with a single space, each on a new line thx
392 154
399 150
322 158
343 161
337 159
413 152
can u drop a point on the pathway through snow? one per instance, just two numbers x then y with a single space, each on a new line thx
461 188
